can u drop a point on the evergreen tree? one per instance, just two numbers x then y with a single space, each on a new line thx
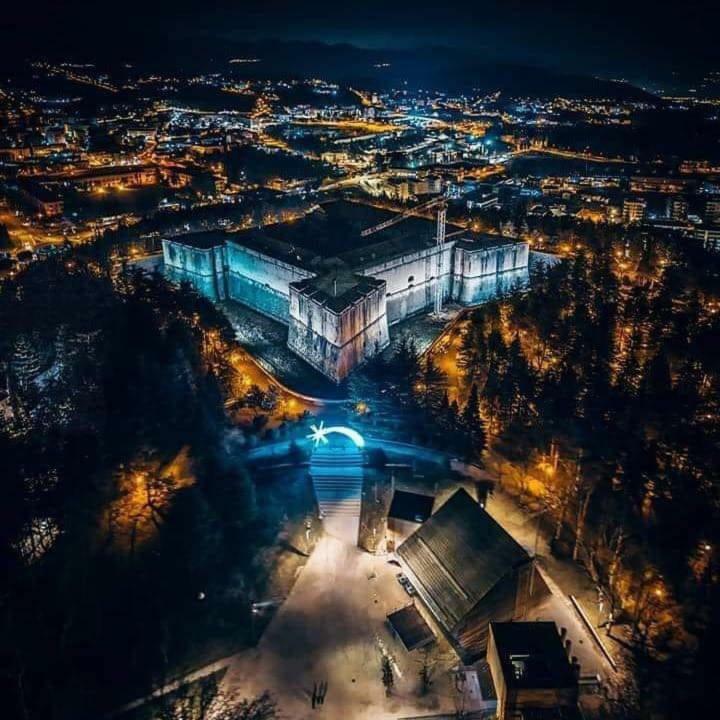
629 377
656 384
473 353
521 380
496 349
473 424
404 366
5 243
388 677
432 383
448 415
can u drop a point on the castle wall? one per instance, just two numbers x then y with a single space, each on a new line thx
201 267
411 280
260 281
478 273
335 343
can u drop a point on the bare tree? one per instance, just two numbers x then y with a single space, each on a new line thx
191 701
202 700
388 677
262 707
426 671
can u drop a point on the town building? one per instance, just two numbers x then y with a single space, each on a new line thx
409 626
708 235
712 211
115 176
532 674
634 210
657 185
41 198
468 571
340 291
677 209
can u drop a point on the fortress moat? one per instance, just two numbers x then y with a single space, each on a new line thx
340 292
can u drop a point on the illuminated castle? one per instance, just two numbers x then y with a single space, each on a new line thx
337 290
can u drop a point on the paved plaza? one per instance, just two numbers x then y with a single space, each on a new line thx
332 629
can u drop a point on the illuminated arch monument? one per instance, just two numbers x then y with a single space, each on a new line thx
340 292
337 472
319 434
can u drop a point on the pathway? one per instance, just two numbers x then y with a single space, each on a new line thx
336 469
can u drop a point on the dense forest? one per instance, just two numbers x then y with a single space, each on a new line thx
128 533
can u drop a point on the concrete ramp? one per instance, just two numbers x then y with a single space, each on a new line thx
336 469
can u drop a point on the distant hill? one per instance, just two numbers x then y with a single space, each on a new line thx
432 68
444 69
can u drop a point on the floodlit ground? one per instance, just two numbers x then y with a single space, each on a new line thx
563 578
331 629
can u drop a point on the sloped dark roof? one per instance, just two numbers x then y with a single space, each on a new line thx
410 506
459 555
542 655
411 628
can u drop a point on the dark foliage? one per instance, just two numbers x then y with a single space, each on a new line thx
114 561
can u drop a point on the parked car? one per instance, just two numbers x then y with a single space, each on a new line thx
406 584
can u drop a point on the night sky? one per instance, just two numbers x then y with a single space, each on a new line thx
639 40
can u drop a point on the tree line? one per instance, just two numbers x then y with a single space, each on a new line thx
128 534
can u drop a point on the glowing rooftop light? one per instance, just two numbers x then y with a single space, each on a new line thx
320 432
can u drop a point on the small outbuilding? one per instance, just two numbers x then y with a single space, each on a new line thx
532 674
410 627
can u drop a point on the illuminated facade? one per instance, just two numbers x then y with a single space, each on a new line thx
339 292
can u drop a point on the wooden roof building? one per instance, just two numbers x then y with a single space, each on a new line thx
468 571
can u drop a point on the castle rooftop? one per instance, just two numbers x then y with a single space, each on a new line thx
334 230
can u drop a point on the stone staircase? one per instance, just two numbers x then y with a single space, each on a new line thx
336 469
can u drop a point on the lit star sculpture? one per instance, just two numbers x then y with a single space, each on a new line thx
320 432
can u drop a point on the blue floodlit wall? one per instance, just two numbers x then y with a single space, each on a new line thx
201 267
411 281
233 272
336 343
258 297
480 273
260 281
469 276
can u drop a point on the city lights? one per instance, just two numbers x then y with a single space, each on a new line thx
359 361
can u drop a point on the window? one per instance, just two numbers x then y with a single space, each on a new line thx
519 665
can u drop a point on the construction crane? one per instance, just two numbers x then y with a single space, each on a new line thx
403 216
441 205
